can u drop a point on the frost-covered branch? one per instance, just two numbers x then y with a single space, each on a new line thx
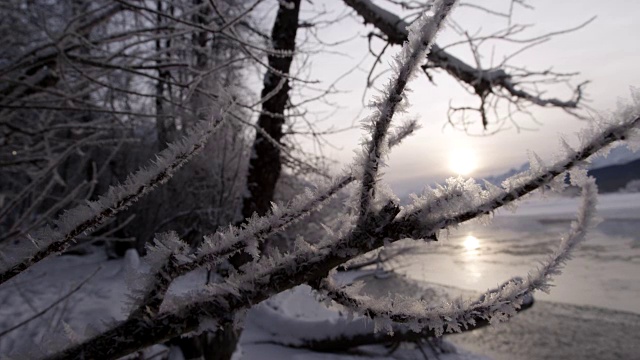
84 218
472 201
341 342
345 337
421 36
494 305
168 259
483 81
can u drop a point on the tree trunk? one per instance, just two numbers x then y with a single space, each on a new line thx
165 127
265 163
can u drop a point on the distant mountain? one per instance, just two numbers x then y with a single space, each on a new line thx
614 177
612 172
498 179
617 156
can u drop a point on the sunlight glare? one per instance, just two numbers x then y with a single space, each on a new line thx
463 161
471 243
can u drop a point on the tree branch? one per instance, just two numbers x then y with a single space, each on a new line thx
482 81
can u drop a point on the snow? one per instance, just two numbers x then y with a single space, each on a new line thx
100 299
295 315
604 273
552 331
286 318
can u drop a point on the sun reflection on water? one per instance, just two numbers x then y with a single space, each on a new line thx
471 246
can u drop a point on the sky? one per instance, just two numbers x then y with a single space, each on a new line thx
606 53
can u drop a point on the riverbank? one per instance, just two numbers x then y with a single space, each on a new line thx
548 330
558 331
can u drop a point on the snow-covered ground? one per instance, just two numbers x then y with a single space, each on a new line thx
600 317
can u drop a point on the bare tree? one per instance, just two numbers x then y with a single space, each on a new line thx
92 87
500 82
372 219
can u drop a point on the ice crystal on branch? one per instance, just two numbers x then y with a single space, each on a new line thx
494 305
421 37
87 217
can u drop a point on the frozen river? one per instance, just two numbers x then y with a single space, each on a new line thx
605 271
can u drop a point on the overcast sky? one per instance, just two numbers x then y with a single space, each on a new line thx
606 52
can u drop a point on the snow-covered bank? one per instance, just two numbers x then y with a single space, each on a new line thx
546 331
553 331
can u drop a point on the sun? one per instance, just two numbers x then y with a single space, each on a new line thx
463 161
471 243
